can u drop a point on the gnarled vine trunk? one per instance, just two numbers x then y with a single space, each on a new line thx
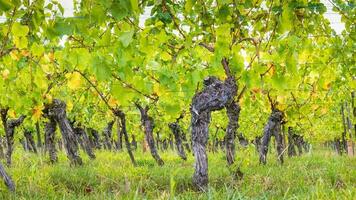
85 142
233 112
134 142
343 135
338 146
148 125
7 179
176 130
185 141
107 135
9 127
119 137
291 145
95 138
24 144
298 140
215 95
38 132
50 130
2 155
158 141
272 128
30 141
58 110
123 132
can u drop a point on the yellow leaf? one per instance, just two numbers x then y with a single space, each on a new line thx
49 57
69 105
92 79
281 107
74 80
25 53
48 98
281 99
326 85
37 112
46 58
5 74
314 107
166 56
47 68
14 55
159 89
113 102
12 114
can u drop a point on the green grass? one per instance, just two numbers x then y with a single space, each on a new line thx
319 175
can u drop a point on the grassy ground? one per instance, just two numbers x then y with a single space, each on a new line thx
318 175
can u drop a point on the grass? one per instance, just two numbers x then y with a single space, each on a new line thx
317 175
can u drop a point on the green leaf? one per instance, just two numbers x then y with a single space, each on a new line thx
172 109
5 5
63 28
126 38
166 56
120 9
195 77
134 5
37 50
123 95
19 30
245 77
188 5
278 81
291 63
21 42
286 19
101 69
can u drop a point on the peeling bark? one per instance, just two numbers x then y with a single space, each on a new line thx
123 132
291 147
24 144
134 142
30 141
338 147
176 130
148 125
343 135
298 140
95 138
7 179
50 130
215 142
272 128
185 142
2 154
60 144
9 127
233 112
171 142
164 145
85 143
257 143
158 141
107 135
119 137
38 131
58 111
215 96
242 140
